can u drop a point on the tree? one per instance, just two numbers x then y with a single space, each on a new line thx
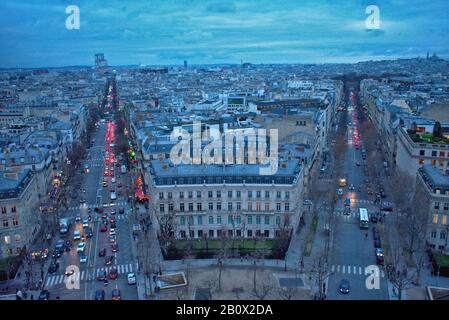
222 255
288 293
400 276
437 130
320 270
262 290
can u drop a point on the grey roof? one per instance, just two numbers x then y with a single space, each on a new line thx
11 187
436 177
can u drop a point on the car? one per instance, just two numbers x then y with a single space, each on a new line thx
119 184
386 206
113 180
83 258
103 228
347 211
121 210
374 217
56 254
340 191
376 235
54 266
382 194
105 205
68 245
113 273
44 295
81 247
370 192
377 243
60 244
76 235
113 212
85 222
105 184
102 275
78 218
114 247
116 294
351 187
108 260
357 164
88 232
131 278
69 272
99 295
82 200
344 286
102 252
104 216
111 238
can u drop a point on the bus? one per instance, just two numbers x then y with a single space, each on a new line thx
363 218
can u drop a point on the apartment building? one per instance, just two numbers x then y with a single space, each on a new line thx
436 186
213 200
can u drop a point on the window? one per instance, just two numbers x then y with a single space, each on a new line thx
257 206
422 152
287 206
161 195
250 194
278 206
442 235
5 223
198 194
181 195
190 206
267 206
211 233
239 206
278 194
435 218
229 194
278 221
250 219
434 153
437 205
287 195
238 233
239 219
170 207
218 233
13 209
190 221
239 194
199 206
181 207
421 161
7 239
192 234
230 219
433 162
249 233
267 219
17 237
444 219
250 206
258 194
200 220
446 206
211 220
170 195
257 233
190 194
209 194
3 210
229 206
218 206
161 207
218 194
267 194
266 233
182 221
211 206
218 219
200 233
433 234
442 153
230 233
440 247
257 219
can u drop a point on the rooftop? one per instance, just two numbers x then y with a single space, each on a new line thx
435 179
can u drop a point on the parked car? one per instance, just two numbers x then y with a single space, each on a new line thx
54 266
114 247
88 232
116 294
374 217
108 260
102 275
103 228
81 247
131 278
386 206
83 258
44 295
113 273
99 295
102 252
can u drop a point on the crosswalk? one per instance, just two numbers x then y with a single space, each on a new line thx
85 275
352 214
92 206
355 270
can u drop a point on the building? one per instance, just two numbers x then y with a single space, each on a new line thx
100 61
232 200
413 152
435 184
18 212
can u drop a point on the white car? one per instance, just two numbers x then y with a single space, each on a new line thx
113 179
112 232
83 258
340 191
76 235
78 218
85 222
131 278
81 247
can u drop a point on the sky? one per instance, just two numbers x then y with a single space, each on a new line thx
33 33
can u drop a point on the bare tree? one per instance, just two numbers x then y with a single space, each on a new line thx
222 255
320 271
400 276
288 293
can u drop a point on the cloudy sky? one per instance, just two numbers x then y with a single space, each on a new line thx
33 33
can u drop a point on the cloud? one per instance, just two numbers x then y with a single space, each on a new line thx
221 7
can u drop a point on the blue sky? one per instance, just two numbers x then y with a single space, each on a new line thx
33 33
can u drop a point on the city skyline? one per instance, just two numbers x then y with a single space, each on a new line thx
220 33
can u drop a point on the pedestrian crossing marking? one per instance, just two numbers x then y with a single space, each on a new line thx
348 270
84 275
